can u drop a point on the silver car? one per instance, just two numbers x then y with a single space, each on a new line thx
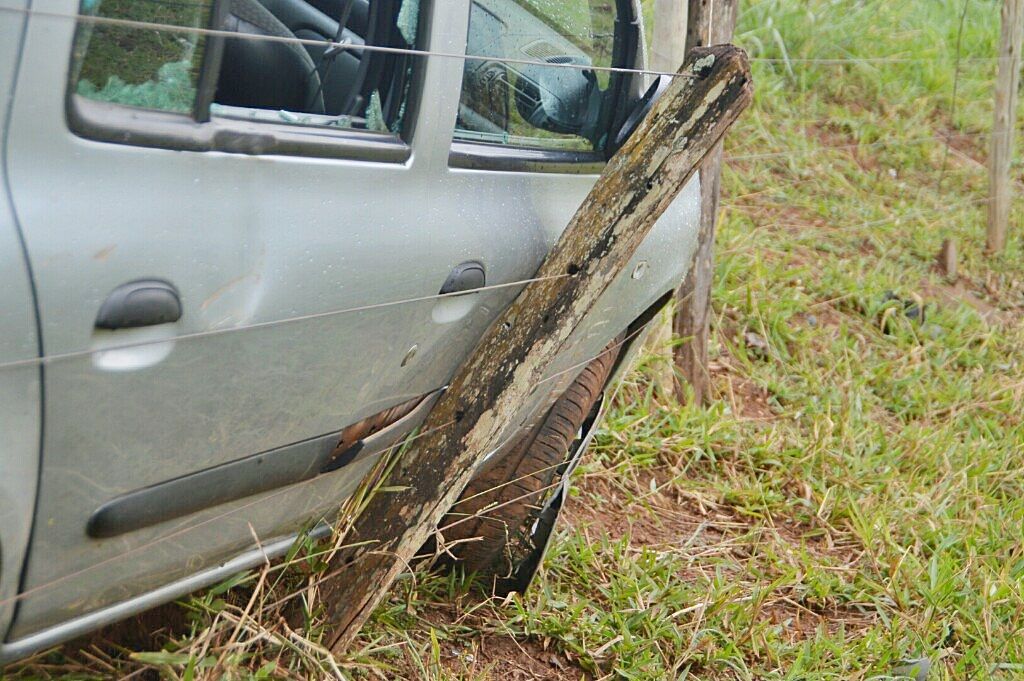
242 248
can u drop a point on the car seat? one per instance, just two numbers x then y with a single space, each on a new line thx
273 75
310 23
264 74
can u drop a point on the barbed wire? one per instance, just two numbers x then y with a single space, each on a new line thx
912 213
973 166
182 531
840 61
854 145
143 25
956 87
50 358
89 352
821 125
405 442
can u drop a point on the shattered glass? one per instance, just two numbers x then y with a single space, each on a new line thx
140 68
528 104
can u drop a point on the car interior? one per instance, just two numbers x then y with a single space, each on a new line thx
313 72
316 79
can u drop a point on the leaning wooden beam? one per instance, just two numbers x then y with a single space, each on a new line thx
636 187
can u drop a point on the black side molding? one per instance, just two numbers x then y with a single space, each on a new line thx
245 477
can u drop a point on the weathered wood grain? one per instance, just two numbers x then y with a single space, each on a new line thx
636 187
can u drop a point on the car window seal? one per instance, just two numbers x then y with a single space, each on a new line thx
120 124
503 158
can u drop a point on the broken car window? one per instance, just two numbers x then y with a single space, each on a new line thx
140 67
312 83
530 105
284 69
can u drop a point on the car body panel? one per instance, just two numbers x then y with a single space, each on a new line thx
271 254
20 406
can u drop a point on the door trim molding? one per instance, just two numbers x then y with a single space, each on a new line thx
262 472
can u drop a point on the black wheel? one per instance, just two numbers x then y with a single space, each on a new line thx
493 528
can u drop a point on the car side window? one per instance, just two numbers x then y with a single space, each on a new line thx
311 83
137 67
526 104
281 69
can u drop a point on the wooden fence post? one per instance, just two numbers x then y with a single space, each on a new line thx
668 51
1001 143
668 43
469 420
710 22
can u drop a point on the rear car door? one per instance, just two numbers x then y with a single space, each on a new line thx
213 225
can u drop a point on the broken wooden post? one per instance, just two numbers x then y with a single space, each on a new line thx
1001 144
710 22
946 260
510 360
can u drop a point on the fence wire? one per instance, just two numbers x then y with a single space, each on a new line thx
270 497
91 19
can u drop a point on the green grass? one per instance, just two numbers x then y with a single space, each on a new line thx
855 494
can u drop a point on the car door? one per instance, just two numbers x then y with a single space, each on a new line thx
209 277
20 408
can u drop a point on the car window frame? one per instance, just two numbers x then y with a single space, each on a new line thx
200 131
627 48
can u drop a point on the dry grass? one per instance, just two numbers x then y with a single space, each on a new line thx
854 496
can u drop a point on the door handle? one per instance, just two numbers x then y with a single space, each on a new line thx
144 302
464 278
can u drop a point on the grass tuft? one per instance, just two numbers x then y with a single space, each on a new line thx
854 497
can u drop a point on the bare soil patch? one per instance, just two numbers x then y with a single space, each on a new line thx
951 295
747 399
488 654
798 622
503 658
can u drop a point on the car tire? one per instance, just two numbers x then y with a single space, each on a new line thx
490 530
